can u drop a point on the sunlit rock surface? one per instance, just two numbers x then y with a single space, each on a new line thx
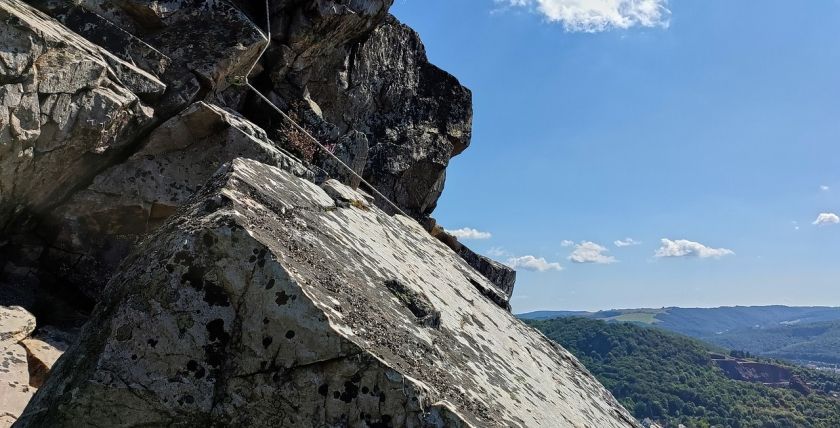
266 303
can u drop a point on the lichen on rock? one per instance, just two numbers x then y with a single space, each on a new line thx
262 303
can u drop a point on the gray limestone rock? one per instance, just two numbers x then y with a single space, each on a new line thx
263 303
415 115
196 47
99 225
502 277
65 111
16 324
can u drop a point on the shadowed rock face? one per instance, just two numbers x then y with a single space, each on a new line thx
414 115
264 303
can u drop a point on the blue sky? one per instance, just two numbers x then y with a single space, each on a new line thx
713 124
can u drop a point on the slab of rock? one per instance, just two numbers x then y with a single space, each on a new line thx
99 225
43 350
15 392
503 277
67 110
193 46
264 303
113 37
16 324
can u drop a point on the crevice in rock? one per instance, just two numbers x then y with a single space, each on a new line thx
417 303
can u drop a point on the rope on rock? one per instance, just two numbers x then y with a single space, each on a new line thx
243 81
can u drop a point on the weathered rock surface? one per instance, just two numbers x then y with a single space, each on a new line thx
15 325
193 46
265 303
503 277
67 109
26 359
416 116
43 349
98 227
358 70
15 391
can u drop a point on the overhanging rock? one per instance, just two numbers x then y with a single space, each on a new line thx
263 302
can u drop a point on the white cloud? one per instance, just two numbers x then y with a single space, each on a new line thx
626 242
685 248
590 252
469 233
599 15
536 264
566 243
825 188
497 252
826 219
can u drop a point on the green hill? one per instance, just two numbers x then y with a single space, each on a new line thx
672 379
791 333
818 342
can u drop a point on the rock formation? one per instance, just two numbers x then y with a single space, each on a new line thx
241 276
266 303
25 360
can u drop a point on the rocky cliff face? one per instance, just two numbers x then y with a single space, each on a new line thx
240 276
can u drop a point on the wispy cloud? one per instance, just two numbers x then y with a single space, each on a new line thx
685 248
598 15
497 252
469 233
629 242
566 243
536 264
825 188
825 219
590 252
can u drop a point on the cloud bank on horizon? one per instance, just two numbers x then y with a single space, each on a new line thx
591 16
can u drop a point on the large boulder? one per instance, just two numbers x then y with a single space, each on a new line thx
67 110
264 302
99 225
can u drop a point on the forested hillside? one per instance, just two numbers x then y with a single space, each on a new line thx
672 379
802 342
795 334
